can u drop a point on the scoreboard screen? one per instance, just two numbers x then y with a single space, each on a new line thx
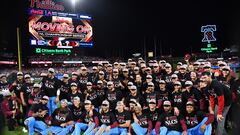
58 29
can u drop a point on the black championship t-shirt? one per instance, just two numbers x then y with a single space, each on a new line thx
107 118
17 88
153 115
138 98
60 116
177 98
123 117
39 108
113 97
36 97
26 89
143 119
50 86
194 118
164 95
76 112
101 95
218 89
170 121
93 97
64 90
86 118
72 95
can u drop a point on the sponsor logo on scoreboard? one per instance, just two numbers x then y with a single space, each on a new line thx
58 43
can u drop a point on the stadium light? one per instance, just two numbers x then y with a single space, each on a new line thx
74 2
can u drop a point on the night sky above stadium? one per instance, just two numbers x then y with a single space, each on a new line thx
120 26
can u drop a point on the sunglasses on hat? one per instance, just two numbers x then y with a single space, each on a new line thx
152 103
225 69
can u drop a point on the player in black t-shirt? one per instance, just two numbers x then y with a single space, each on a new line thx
64 87
113 95
123 118
36 95
151 94
142 122
136 96
74 93
61 120
50 85
25 91
76 108
153 111
4 85
17 84
88 120
177 97
91 95
169 123
198 122
107 120
164 93
191 93
100 89
38 116
220 100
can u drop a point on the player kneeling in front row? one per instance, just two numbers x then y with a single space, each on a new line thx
61 120
168 123
142 123
38 116
108 121
88 121
198 122
123 117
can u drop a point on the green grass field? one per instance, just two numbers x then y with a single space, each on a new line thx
18 131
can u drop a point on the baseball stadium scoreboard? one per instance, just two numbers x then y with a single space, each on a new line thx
54 31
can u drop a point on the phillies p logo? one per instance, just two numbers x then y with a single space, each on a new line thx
208 33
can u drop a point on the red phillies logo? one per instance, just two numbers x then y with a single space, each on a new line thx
46 4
